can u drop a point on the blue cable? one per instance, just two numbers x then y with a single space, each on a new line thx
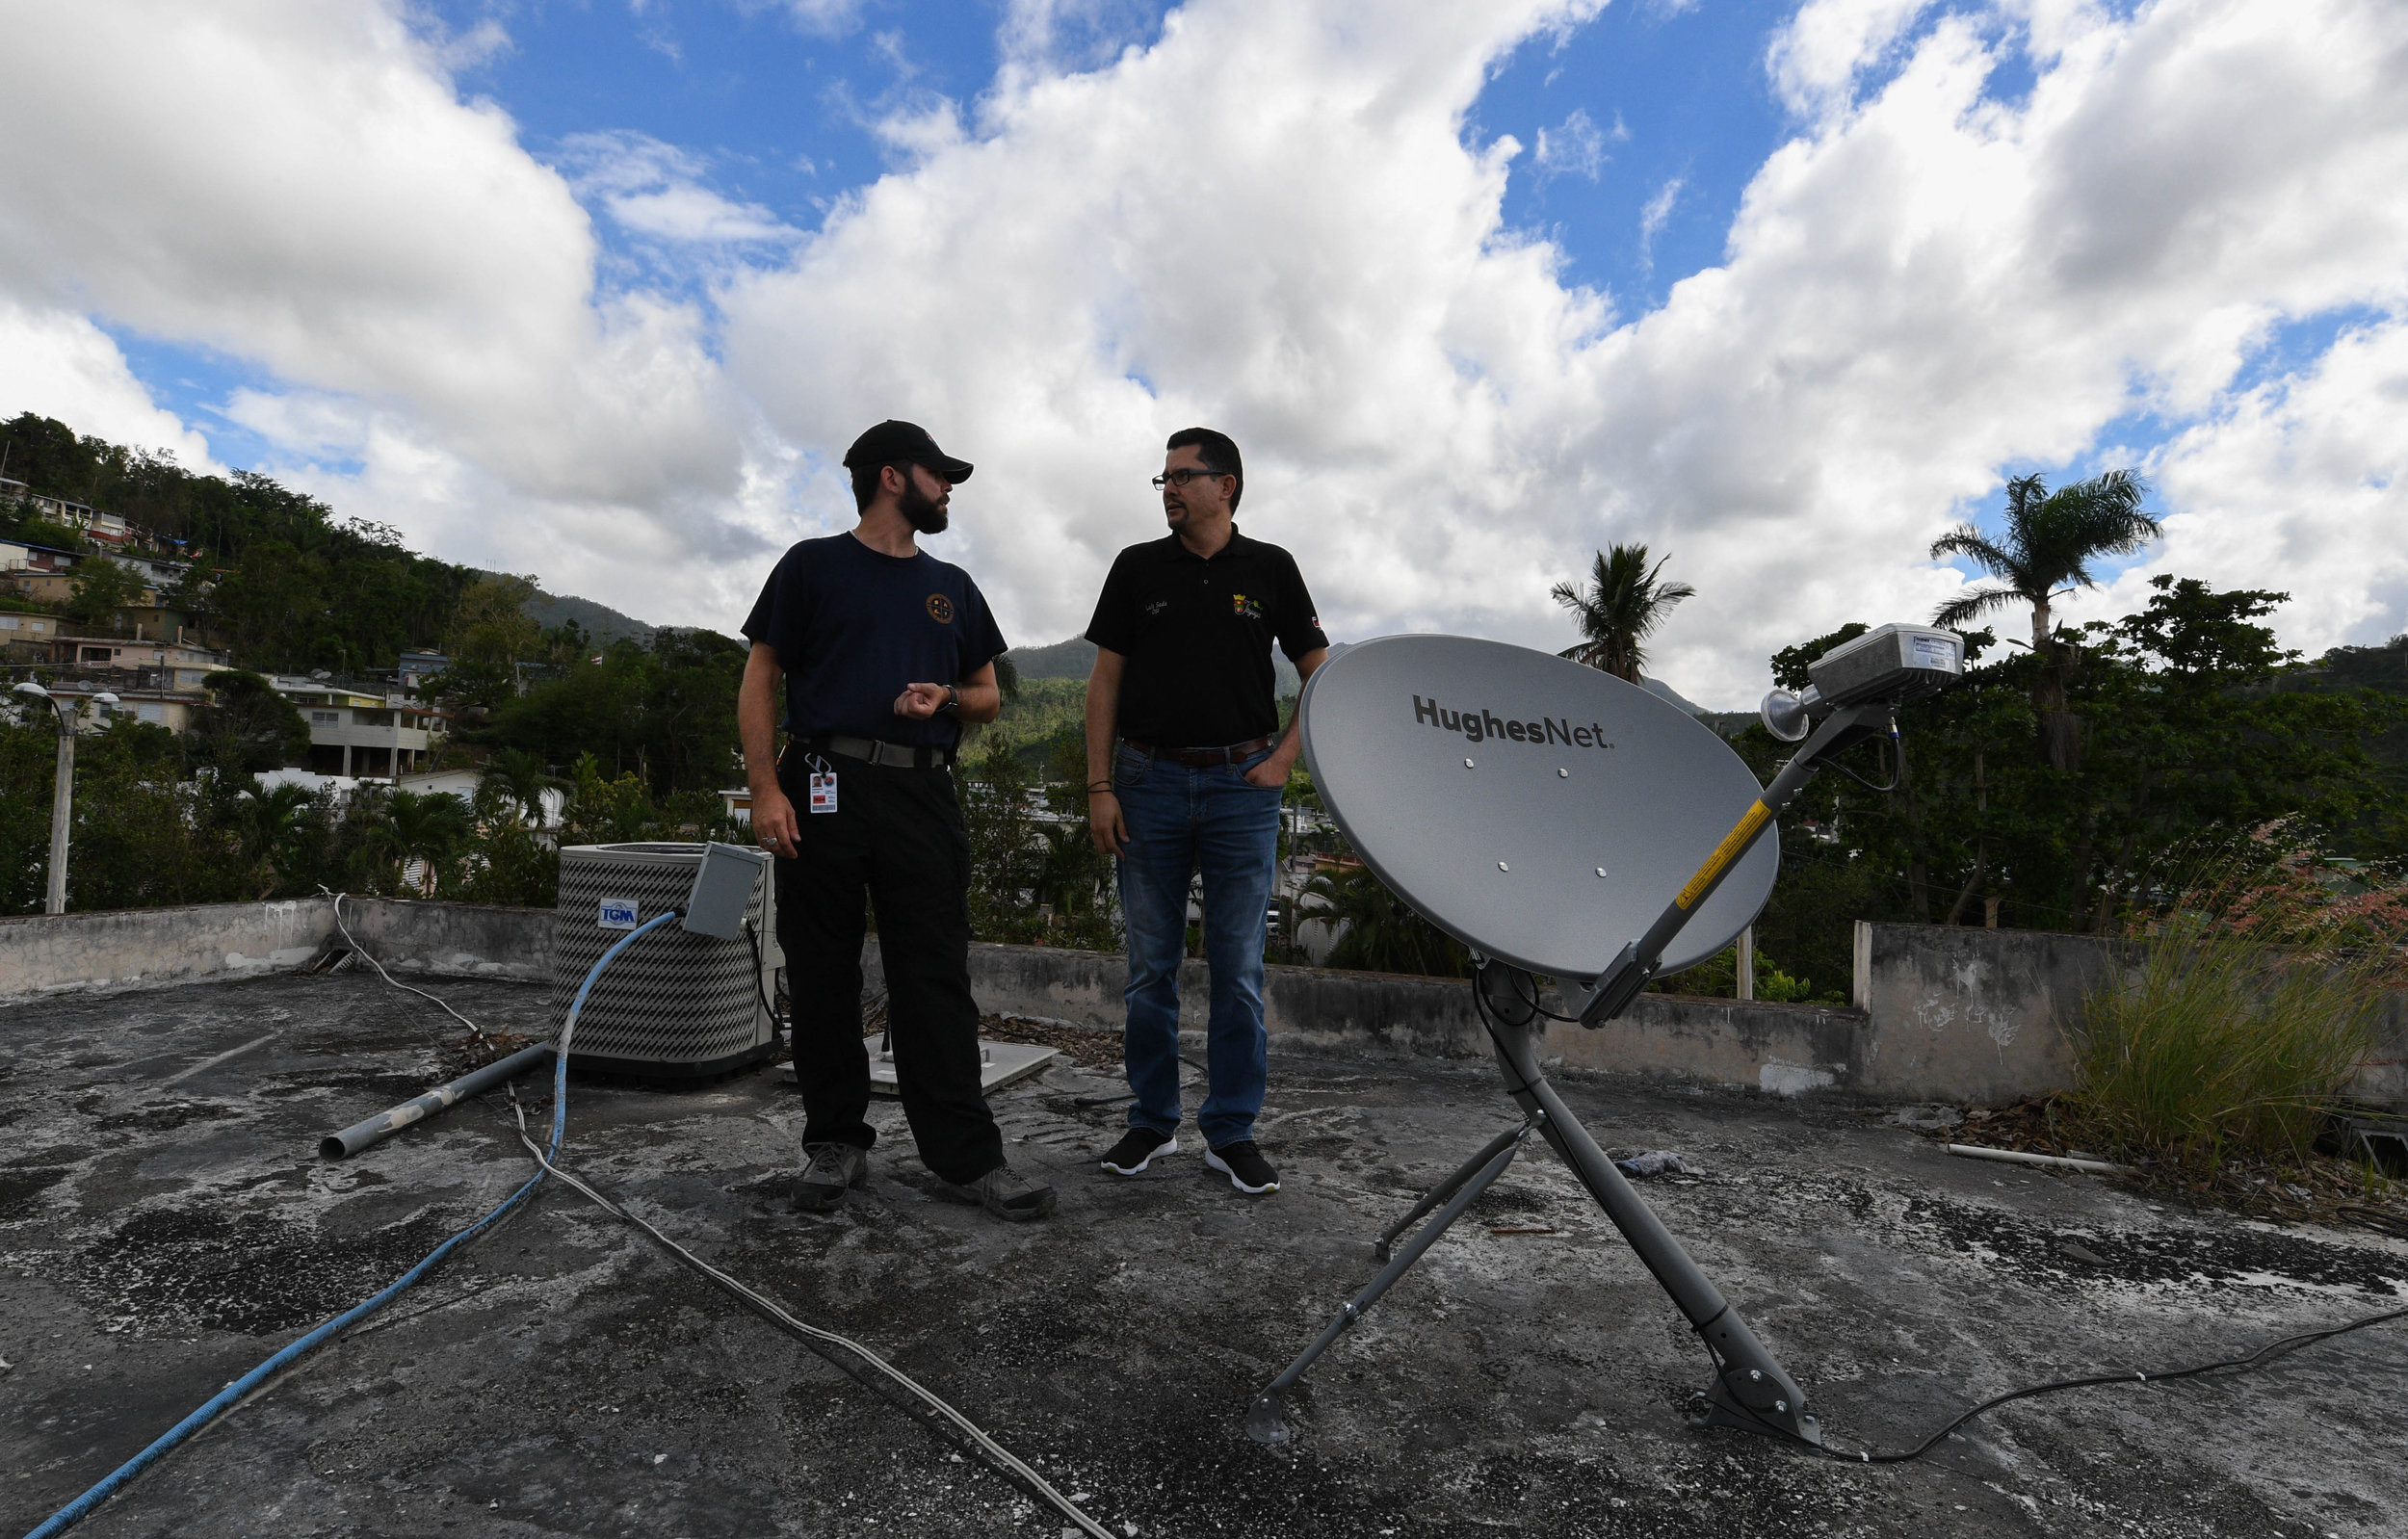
76 1510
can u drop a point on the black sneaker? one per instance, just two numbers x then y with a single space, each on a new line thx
1136 1150
831 1170
1245 1166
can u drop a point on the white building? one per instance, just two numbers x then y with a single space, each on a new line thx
355 733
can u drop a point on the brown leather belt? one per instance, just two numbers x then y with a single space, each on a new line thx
1203 757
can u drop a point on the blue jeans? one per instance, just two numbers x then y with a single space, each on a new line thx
1179 819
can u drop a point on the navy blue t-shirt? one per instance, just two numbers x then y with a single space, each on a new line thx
853 626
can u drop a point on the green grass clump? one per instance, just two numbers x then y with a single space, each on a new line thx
2251 1007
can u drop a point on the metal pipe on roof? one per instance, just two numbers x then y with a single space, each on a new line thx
384 1124
2020 1156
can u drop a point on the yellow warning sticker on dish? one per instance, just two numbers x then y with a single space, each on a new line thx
1724 853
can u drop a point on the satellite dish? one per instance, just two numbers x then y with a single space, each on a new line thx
1540 812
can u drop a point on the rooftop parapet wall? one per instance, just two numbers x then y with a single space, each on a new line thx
1989 1013
42 954
134 948
1942 1014
1780 1048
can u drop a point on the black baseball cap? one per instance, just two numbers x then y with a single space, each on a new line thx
903 443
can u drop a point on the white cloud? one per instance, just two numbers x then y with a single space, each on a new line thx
1653 217
1573 147
64 367
298 184
1924 287
827 18
2301 485
1816 60
655 190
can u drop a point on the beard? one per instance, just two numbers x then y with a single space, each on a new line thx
922 511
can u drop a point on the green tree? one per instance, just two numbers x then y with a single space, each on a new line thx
271 825
666 711
1626 602
998 813
607 810
248 727
101 588
406 826
1377 931
519 781
2045 554
506 862
2197 742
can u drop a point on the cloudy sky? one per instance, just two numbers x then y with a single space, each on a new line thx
599 291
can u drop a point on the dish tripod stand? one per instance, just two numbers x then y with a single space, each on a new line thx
1750 1389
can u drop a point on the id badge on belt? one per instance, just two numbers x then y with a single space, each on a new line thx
823 796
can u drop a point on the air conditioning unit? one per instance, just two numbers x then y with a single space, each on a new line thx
676 1004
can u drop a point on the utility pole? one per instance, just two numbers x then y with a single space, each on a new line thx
63 792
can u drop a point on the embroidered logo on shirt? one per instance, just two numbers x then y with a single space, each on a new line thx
1244 606
940 608
1158 605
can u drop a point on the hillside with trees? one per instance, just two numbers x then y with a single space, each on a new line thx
2065 784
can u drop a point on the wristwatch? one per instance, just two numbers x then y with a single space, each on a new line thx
952 700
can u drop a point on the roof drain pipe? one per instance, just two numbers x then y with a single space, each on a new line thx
384 1124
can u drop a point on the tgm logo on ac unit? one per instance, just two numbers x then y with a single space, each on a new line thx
618 913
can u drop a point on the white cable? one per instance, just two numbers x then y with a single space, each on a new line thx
361 950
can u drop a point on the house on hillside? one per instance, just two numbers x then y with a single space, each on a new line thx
139 701
417 667
357 732
26 638
169 664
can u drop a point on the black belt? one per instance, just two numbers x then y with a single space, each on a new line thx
890 755
1201 757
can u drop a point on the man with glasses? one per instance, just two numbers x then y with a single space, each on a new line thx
882 651
1183 680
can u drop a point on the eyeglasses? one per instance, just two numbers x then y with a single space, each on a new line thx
1180 476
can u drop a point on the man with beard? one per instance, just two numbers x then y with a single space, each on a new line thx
1186 766
883 651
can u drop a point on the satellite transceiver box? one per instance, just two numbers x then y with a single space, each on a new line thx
1896 663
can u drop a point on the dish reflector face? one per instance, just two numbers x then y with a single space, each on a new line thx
1488 785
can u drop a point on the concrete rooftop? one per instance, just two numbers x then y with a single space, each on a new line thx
163 1230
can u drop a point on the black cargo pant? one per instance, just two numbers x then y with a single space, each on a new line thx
896 837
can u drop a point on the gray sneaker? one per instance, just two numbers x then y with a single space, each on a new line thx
828 1171
1005 1195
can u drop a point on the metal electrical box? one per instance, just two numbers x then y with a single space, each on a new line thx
679 1004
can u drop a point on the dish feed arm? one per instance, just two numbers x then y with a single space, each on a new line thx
1622 978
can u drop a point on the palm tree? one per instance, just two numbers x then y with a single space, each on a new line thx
412 827
1622 606
521 779
1376 931
267 823
2050 541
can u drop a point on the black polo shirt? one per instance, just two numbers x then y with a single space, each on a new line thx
853 626
1197 636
